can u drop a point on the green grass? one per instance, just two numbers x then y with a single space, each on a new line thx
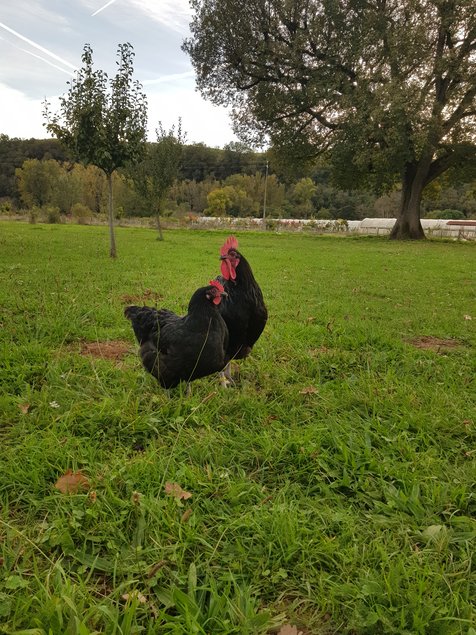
347 510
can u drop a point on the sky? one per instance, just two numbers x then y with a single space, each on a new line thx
41 42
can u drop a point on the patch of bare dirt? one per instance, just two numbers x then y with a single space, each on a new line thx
437 344
146 296
113 350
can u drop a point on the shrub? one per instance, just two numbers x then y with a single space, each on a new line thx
6 206
53 214
82 213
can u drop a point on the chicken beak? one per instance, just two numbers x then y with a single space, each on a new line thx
224 294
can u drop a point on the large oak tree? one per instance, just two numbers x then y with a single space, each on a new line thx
385 88
102 126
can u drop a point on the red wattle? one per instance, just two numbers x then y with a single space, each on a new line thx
226 269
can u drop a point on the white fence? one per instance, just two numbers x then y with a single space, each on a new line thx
459 229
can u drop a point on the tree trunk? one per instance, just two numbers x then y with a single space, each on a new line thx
408 226
112 238
159 226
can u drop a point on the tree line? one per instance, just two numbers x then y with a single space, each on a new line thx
38 174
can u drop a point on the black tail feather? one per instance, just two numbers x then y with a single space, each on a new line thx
145 323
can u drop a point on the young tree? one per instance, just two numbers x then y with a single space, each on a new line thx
155 174
101 127
386 87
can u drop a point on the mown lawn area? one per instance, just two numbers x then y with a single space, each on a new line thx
333 488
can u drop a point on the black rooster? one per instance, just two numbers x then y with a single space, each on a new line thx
243 308
174 348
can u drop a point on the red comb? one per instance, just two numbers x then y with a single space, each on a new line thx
218 285
230 243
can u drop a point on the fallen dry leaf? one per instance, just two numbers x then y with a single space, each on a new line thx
93 496
468 317
72 482
186 515
174 489
24 407
135 498
288 629
309 390
135 595
156 567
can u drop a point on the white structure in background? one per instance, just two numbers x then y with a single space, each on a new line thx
462 229
458 229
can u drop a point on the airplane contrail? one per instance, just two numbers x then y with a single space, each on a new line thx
37 46
63 70
102 8
168 78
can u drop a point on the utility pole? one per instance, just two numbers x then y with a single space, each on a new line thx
265 193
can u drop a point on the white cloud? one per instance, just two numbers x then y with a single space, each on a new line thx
20 116
156 29
200 120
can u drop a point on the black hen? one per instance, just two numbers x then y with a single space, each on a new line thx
243 308
174 348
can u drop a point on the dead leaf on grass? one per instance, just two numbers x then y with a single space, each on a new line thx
289 629
321 349
156 567
174 489
24 407
468 317
186 515
309 390
135 595
72 482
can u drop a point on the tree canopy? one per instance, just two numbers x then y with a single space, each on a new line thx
385 88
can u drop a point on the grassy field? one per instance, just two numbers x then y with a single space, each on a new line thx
333 488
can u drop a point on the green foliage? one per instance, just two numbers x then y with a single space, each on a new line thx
52 213
332 488
155 174
219 201
446 214
81 212
38 181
